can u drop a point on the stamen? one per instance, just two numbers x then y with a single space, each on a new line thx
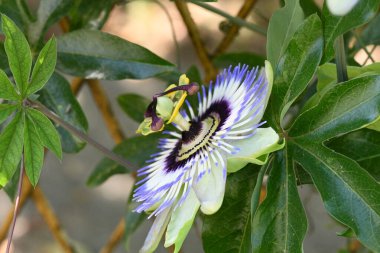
191 89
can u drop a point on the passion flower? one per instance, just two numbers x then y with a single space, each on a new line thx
221 137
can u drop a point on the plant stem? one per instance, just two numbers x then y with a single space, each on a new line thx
195 37
234 29
340 59
17 202
232 19
82 136
257 190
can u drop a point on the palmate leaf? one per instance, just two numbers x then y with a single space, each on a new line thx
44 67
363 146
11 143
18 52
7 89
279 224
33 151
6 110
49 136
346 107
349 193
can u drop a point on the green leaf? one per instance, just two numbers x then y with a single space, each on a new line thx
57 96
228 59
228 230
7 89
3 57
346 107
349 193
327 73
334 26
309 7
49 136
11 143
91 14
95 54
33 151
327 79
133 105
193 74
44 67
279 34
136 149
6 110
371 34
12 10
363 146
280 223
18 52
48 13
296 66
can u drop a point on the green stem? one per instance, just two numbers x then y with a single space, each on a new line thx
257 190
17 202
232 19
82 136
340 59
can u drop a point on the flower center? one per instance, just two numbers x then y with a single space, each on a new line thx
198 136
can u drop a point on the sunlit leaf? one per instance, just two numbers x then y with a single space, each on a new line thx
18 52
11 143
44 67
33 151
49 136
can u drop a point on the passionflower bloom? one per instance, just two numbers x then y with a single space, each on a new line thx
341 8
221 137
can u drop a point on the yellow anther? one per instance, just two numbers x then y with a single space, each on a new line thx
177 107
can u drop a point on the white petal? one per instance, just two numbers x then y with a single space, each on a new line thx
341 8
181 221
210 188
156 231
254 149
269 77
